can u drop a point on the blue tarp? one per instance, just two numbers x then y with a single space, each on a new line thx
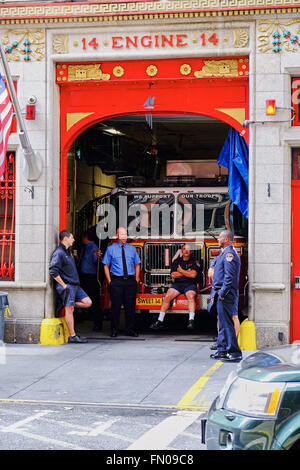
235 156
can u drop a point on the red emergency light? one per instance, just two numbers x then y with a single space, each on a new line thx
270 107
30 112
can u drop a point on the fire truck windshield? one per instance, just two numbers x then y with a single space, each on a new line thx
203 213
151 215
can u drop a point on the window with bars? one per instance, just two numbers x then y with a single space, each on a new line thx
7 220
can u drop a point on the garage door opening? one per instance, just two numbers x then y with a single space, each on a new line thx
157 160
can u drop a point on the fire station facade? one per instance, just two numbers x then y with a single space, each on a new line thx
87 61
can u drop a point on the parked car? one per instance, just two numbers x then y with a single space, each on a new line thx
259 406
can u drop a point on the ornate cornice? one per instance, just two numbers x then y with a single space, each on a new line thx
102 11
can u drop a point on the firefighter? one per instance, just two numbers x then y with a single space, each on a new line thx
235 317
224 298
64 272
184 272
122 272
88 267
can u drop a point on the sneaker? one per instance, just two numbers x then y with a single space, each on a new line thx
157 325
190 325
77 339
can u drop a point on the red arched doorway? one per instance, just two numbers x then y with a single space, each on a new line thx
93 92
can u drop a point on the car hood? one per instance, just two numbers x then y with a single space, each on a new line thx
280 364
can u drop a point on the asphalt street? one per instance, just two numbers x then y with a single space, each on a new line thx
139 393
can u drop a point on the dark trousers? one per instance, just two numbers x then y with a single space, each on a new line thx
122 292
91 286
227 340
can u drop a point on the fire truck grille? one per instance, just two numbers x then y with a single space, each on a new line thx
157 280
158 259
158 256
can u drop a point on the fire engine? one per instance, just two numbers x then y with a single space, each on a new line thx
158 243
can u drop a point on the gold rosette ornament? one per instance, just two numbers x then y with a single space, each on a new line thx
151 70
118 71
185 69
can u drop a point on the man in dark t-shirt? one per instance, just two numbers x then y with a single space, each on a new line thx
184 272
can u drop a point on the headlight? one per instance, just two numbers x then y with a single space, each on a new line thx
231 377
259 399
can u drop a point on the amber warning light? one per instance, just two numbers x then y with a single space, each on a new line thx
270 107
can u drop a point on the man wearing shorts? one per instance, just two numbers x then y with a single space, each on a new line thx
184 272
64 272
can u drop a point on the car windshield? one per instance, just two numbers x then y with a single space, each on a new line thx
289 354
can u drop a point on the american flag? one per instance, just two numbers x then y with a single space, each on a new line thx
6 115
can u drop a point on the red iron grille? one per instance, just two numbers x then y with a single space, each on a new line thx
7 220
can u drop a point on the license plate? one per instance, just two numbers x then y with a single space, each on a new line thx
148 301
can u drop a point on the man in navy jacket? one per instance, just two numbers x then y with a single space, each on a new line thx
224 296
67 285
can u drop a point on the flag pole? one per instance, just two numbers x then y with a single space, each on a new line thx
33 161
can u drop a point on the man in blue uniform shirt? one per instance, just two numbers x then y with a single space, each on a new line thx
122 272
88 268
224 296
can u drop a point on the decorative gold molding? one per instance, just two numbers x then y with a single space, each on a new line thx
138 10
185 69
73 118
266 40
240 38
118 71
236 113
60 44
17 41
194 69
151 70
218 68
86 72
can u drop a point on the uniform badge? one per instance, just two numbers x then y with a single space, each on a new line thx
229 256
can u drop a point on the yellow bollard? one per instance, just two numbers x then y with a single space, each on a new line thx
247 336
52 332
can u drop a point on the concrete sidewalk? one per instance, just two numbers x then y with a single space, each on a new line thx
151 370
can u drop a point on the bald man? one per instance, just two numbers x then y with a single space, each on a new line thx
224 295
122 272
